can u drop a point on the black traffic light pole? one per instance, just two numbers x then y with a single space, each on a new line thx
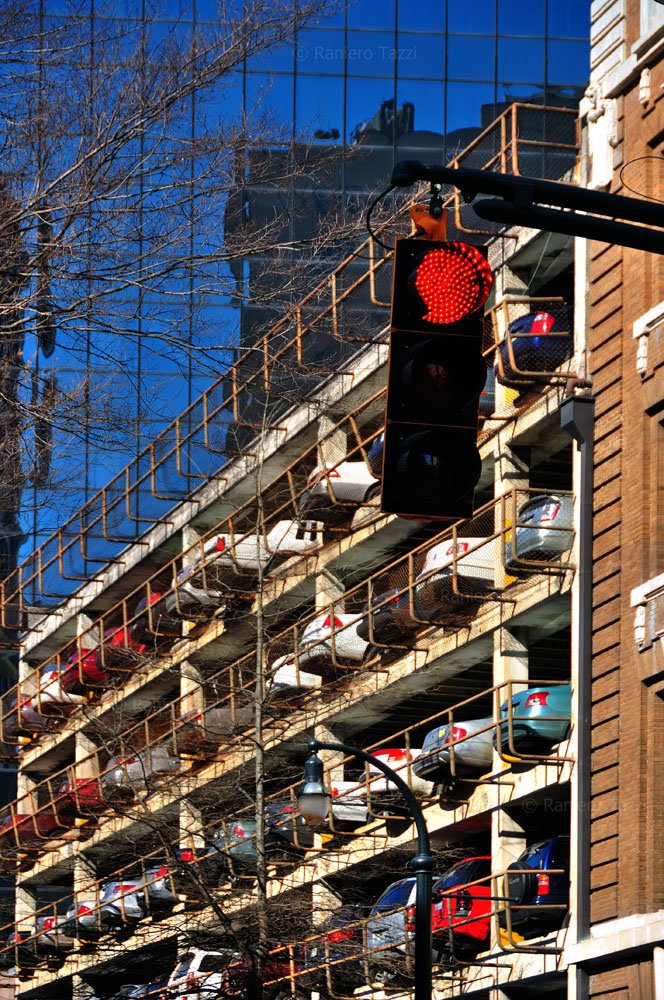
421 864
519 202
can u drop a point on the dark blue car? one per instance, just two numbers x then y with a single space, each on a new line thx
537 887
537 343
332 962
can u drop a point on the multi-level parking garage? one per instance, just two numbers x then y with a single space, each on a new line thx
193 620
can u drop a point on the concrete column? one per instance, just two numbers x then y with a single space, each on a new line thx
191 688
80 990
329 588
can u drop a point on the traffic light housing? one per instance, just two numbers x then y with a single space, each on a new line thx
431 464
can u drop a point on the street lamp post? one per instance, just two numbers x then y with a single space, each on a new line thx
314 803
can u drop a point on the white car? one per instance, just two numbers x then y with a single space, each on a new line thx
336 490
202 730
454 575
51 696
83 919
331 640
227 559
401 760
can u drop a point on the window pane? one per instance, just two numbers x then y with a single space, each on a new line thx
371 14
271 98
420 56
477 17
520 17
425 16
471 58
370 54
570 18
520 60
569 63
428 105
279 59
320 52
366 113
469 105
320 108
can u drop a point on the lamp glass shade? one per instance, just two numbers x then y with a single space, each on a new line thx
313 803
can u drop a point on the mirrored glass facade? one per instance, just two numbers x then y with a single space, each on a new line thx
388 81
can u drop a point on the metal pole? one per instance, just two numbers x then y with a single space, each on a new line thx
421 865
577 417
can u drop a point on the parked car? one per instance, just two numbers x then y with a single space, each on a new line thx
384 792
83 919
22 719
130 777
465 747
460 920
348 803
286 834
51 935
375 455
332 959
83 670
53 696
231 561
336 490
331 640
29 832
81 796
540 720
446 591
152 627
488 395
141 991
209 975
388 619
544 531
202 730
537 342
120 651
22 949
192 596
538 893
129 899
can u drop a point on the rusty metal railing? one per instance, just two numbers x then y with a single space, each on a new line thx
314 340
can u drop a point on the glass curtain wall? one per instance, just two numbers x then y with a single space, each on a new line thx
356 88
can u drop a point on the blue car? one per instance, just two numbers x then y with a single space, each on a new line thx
336 953
537 343
537 887
540 719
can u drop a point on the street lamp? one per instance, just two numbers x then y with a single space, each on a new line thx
314 802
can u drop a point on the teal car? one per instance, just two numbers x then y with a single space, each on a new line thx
540 720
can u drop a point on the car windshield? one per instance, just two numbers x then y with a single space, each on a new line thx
396 895
183 967
463 873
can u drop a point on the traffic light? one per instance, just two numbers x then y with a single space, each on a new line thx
431 464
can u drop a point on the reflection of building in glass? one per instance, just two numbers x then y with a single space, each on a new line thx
380 81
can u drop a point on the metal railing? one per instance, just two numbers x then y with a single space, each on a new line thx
313 341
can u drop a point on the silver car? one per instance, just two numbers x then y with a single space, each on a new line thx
129 777
544 530
127 900
54 934
471 751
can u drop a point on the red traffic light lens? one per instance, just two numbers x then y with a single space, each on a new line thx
452 281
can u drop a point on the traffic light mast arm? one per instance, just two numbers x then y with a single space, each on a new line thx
520 199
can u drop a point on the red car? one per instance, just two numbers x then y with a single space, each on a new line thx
82 670
462 907
81 796
120 650
25 831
